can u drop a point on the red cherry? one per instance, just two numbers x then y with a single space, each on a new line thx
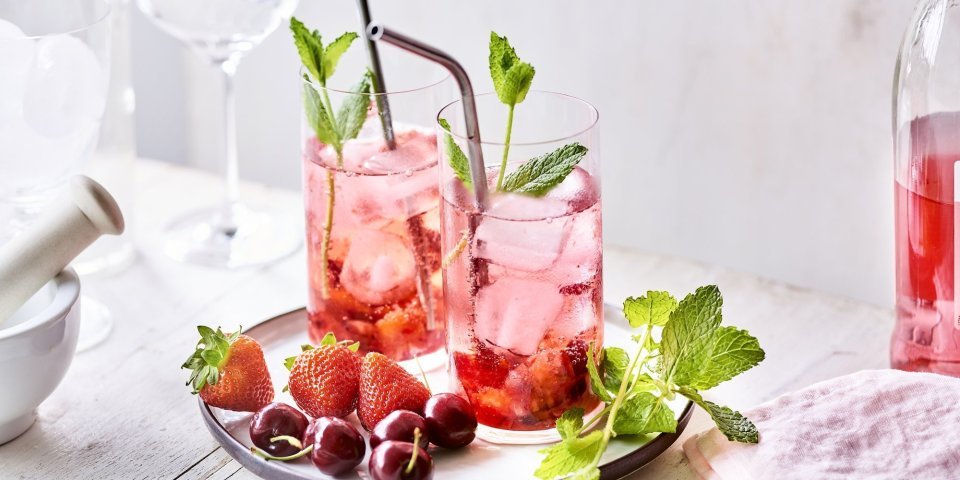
274 420
337 445
391 459
451 421
399 425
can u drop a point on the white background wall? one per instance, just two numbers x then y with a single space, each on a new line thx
748 133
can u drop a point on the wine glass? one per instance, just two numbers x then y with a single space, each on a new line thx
54 71
222 32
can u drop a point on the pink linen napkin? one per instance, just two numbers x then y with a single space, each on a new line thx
874 424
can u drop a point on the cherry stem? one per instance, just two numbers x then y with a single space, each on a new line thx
287 438
423 374
266 456
416 452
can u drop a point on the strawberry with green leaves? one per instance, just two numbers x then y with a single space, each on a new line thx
324 380
229 371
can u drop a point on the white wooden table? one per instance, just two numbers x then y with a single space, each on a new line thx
123 411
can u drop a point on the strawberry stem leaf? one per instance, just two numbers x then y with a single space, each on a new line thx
208 357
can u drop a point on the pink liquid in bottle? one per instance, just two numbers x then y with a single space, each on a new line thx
927 332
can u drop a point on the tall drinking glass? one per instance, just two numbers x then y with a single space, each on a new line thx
54 72
523 279
373 227
222 32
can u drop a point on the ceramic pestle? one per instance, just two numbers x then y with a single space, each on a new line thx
69 225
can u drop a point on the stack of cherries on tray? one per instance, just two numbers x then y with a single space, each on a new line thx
329 382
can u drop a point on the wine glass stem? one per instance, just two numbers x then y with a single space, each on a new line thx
229 67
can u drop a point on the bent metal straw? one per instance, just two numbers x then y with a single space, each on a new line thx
378 32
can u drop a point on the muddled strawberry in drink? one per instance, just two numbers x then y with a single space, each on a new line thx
380 284
524 300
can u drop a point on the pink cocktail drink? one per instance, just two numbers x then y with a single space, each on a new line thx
526 304
378 280
927 333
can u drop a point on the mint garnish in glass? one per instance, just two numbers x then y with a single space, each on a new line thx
331 128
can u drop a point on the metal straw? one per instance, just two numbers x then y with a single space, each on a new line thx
378 32
379 85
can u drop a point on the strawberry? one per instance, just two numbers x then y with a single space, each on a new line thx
324 380
229 371
385 387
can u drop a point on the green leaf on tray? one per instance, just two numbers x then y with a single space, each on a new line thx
596 382
573 456
654 308
734 352
615 362
731 423
644 413
687 338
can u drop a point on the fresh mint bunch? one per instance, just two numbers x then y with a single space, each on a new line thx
331 128
694 353
511 80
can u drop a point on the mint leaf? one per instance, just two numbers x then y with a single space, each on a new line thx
538 175
644 383
596 383
687 338
516 83
511 77
458 160
731 423
333 52
654 308
310 47
353 110
318 118
571 458
615 363
570 423
644 413
734 352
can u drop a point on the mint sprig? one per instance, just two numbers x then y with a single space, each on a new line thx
511 79
331 127
695 353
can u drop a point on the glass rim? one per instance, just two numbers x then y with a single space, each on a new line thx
594 113
107 10
305 77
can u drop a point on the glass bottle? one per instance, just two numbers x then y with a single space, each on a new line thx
926 132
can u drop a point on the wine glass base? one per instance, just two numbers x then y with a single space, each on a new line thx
231 238
96 322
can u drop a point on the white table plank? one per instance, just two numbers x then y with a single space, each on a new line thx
123 412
